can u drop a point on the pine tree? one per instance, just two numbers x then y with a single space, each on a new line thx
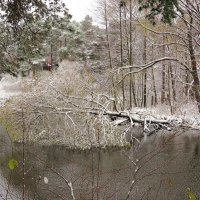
166 8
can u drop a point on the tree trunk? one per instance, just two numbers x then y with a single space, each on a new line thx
169 90
163 75
155 99
194 72
172 82
131 84
110 58
126 33
145 72
121 55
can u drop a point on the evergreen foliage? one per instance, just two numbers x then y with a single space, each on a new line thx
165 8
26 27
21 11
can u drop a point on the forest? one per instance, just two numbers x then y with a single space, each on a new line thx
118 91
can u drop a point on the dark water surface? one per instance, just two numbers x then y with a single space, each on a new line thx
162 166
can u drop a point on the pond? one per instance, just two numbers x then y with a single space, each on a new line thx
162 166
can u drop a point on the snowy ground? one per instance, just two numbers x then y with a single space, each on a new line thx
186 115
9 86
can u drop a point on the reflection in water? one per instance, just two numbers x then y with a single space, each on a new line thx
187 143
196 150
161 167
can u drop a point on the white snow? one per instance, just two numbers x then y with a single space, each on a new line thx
186 114
9 86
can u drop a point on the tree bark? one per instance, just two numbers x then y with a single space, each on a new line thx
194 72
155 99
110 58
145 71
131 84
121 54
163 75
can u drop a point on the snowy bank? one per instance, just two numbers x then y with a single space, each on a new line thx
65 107
186 116
9 86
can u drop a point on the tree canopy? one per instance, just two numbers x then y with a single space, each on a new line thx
19 11
167 9
25 25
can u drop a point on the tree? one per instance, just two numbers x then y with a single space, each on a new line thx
90 34
26 26
167 9
22 11
73 42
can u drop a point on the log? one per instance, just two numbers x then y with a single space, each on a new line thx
119 121
147 126
131 116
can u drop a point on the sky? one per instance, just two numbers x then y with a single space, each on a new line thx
80 8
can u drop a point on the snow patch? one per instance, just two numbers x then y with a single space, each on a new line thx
186 115
9 86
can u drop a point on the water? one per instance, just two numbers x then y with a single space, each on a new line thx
162 167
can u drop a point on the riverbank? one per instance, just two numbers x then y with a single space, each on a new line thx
83 132
68 108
